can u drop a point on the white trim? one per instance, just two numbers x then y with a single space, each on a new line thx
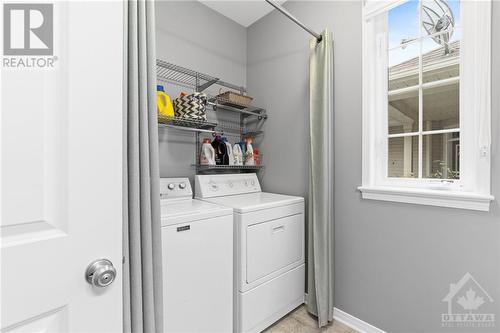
427 85
373 8
441 131
355 323
475 95
420 196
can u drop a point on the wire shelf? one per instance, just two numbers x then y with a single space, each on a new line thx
205 127
228 167
176 74
187 123
223 104
232 129
252 133
198 81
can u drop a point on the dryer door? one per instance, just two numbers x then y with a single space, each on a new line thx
274 245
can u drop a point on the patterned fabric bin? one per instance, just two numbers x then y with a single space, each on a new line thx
191 106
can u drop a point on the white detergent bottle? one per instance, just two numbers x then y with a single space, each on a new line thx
237 155
249 158
207 155
229 151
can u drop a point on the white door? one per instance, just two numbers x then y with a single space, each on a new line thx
61 177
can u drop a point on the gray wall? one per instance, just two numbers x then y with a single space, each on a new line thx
192 35
393 262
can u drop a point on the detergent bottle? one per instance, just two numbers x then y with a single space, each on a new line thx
220 151
229 151
249 157
163 102
237 155
207 155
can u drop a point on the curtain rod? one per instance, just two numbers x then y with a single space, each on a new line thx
291 17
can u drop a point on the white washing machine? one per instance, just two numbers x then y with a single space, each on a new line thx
268 248
197 241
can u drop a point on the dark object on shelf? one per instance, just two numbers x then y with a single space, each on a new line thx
221 157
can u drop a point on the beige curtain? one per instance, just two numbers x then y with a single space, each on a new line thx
320 271
142 280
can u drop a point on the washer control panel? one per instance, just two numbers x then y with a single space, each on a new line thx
175 188
208 186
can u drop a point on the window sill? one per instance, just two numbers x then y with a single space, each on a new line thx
442 198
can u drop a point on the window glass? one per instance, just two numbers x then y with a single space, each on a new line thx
403 112
403 157
403 66
441 156
403 23
441 106
440 62
423 72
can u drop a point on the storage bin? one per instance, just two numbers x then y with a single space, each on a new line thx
233 99
192 106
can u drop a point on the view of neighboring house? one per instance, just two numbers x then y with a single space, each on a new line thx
440 111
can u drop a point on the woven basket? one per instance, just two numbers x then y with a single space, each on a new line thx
233 99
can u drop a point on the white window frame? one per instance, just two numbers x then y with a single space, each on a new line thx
472 191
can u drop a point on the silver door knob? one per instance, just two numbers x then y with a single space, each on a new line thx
100 273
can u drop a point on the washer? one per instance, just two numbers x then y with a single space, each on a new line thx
197 244
268 247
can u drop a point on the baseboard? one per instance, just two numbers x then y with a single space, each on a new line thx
355 323
351 321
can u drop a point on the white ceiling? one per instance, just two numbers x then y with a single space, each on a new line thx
243 12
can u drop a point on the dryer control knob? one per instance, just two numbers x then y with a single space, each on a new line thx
171 186
213 186
182 185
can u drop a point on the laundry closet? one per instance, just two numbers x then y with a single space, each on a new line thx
244 271
210 47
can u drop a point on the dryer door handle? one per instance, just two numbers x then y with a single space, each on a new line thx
279 228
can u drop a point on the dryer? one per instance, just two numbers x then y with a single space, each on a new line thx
197 257
269 269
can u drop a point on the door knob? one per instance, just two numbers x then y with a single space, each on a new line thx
100 273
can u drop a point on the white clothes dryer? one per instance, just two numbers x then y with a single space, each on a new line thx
269 269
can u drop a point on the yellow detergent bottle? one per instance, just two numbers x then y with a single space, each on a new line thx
163 102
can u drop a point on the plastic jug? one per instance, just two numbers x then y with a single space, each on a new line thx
243 146
207 155
229 151
257 157
163 102
237 154
220 148
249 158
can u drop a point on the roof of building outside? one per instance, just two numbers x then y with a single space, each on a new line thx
435 56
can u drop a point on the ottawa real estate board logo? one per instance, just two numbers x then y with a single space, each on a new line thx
28 36
468 305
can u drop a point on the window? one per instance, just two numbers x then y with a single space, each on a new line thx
426 102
